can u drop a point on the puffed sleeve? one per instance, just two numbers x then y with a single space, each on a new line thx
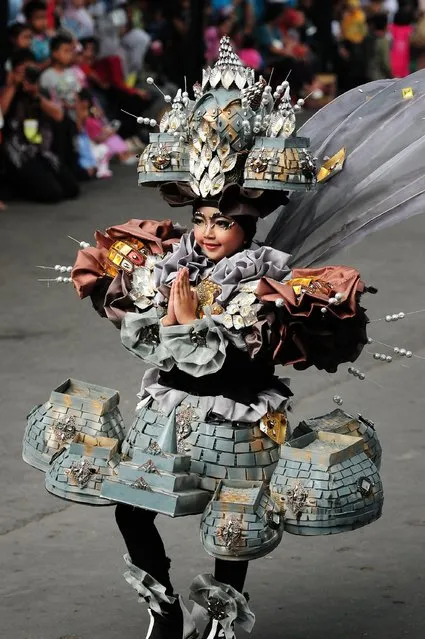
313 318
141 335
197 349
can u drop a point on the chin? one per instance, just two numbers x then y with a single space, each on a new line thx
215 256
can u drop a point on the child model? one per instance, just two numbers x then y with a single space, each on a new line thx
213 315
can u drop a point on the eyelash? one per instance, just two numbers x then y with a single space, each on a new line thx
225 225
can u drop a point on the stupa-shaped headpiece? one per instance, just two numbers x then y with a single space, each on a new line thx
237 133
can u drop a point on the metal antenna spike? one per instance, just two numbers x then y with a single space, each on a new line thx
128 113
151 81
73 239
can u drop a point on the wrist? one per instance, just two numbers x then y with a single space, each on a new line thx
187 319
166 321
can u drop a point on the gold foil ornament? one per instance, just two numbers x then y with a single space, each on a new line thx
332 166
274 425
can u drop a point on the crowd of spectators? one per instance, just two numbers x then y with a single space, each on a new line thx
73 66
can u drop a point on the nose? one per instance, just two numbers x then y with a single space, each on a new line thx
209 230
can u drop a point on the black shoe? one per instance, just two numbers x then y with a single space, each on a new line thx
175 623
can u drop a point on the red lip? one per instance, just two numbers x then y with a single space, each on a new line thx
211 246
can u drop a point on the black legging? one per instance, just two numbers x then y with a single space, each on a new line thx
147 552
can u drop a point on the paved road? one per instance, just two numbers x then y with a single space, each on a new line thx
61 564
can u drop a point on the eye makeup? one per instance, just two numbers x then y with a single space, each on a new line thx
217 219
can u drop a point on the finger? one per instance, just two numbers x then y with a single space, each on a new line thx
177 287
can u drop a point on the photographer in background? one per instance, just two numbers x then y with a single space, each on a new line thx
30 117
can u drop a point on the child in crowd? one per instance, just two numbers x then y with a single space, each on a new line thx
378 48
94 155
35 13
61 79
401 31
100 131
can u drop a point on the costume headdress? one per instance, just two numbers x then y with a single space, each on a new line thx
231 145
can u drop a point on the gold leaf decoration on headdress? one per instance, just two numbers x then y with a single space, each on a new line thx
332 166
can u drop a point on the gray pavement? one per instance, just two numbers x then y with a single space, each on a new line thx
61 564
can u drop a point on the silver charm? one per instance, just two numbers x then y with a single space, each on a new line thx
153 448
141 484
64 430
216 609
297 498
230 532
365 486
149 467
81 472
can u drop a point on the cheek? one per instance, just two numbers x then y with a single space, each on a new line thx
197 233
232 239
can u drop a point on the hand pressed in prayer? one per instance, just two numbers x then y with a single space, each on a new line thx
185 300
170 318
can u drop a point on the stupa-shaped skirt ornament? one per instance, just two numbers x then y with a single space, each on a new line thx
325 483
78 471
158 477
73 407
338 421
221 450
241 521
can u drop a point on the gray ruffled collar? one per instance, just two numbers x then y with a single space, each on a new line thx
230 272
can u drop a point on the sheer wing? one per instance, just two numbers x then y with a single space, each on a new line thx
381 183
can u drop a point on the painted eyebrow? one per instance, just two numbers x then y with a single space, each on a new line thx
214 216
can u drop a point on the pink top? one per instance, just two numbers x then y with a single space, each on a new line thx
94 128
251 58
400 49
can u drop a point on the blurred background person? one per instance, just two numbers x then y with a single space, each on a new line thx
378 49
29 131
401 31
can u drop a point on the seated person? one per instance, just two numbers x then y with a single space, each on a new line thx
101 132
29 130
20 36
106 80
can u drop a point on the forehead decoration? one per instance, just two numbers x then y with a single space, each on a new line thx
238 134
